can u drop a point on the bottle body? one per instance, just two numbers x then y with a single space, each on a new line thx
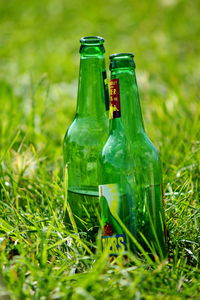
82 147
139 182
86 136
146 182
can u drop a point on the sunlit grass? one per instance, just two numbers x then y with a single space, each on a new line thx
41 257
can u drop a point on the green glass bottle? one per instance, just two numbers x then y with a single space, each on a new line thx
131 179
87 134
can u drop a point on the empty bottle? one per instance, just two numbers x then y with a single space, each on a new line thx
87 134
131 180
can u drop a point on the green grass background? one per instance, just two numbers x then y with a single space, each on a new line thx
39 42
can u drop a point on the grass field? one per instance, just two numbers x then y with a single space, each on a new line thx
39 257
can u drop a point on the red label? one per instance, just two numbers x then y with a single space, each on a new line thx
115 111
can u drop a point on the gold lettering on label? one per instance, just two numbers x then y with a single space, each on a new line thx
121 242
104 243
113 91
112 242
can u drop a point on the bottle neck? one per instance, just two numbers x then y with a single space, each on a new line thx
131 114
115 107
91 89
116 125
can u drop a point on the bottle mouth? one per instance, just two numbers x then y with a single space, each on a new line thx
121 60
92 40
121 55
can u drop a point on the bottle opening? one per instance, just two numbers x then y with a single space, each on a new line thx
121 55
92 40
122 60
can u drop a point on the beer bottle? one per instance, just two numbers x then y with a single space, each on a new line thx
88 132
131 180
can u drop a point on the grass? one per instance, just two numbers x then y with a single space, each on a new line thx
39 257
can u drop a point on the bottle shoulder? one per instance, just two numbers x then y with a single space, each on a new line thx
139 156
85 130
146 159
143 145
115 150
